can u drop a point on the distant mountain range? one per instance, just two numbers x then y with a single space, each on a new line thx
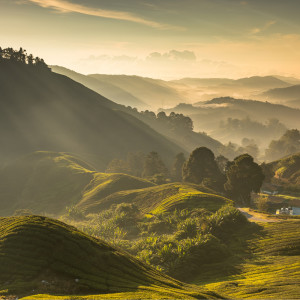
289 95
135 91
208 115
147 93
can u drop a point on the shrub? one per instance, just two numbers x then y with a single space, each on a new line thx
75 213
226 220
262 204
188 227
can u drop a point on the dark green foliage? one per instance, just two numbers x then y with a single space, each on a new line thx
154 165
179 242
243 177
225 221
201 166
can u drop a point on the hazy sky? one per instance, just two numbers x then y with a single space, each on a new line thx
158 38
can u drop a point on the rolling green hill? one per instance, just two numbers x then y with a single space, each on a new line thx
163 198
287 169
42 110
41 255
48 182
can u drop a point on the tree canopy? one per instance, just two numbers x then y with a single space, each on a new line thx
202 167
243 177
9 55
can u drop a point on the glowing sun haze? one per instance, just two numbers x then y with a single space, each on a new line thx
158 38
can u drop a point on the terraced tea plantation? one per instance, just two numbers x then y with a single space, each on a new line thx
270 268
41 255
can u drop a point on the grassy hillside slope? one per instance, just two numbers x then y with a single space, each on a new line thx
41 255
269 266
287 169
48 182
163 198
41 110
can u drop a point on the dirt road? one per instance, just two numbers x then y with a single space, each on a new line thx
255 216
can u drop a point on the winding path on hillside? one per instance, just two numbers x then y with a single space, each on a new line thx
255 217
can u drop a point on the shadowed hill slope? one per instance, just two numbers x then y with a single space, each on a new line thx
103 87
41 110
41 255
158 199
113 87
48 182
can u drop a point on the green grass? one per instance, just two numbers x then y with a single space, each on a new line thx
267 265
165 198
48 182
39 255
288 168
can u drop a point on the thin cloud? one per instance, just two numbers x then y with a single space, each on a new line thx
261 29
64 6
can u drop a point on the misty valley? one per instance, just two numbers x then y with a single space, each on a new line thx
131 187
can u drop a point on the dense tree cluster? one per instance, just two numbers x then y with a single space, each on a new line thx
237 178
243 177
9 55
202 168
175 123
